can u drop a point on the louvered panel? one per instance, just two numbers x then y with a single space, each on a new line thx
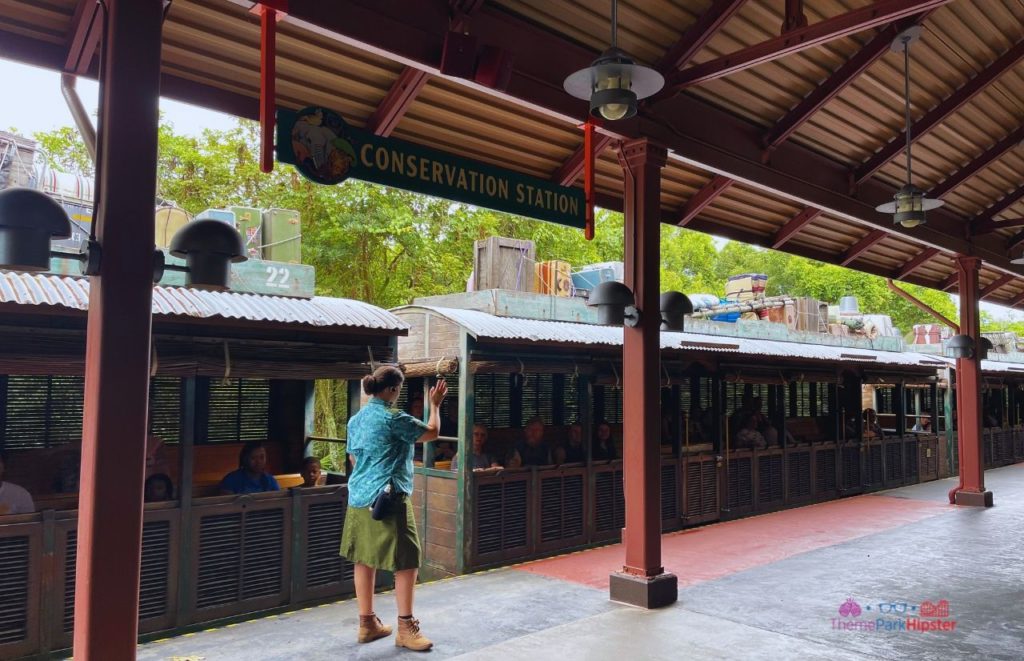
619 499
825 472
15 571
573 505
492 400
156 560
324 566
911 453
798 468
851 468
538 397
769 480
874 465
669 492
612 411
263 553
452 400
220 557
1006 443
488 518
604 501
708 487
42 411
165 408
1018 445
693 489
986 441
551 508
741 483
515 514
238 410
929 459
70 549
893 461
571 399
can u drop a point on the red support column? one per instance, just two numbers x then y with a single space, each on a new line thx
642 581
968 375
118 339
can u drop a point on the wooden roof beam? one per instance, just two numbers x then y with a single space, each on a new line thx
995 285
793 226
862 246
86 30
915 263
996 225
987 218
939 113
832 86
990 155
702 198
571 170
949 282
837 27
1017 301
698 35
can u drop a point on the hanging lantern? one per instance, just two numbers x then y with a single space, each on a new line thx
614 82
909 204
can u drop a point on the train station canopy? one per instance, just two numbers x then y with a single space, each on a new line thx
783 138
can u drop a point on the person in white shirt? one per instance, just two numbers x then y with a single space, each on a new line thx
13 499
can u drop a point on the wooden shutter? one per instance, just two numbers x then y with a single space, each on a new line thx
165 409
238 410
324 566
15 582
492 400
42 411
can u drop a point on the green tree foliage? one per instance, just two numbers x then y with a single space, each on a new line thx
388 246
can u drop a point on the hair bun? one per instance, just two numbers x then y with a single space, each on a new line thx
370 384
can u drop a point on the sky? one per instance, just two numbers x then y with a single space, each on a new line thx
39 106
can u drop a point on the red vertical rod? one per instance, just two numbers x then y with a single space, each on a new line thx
643 580
969 421
588 178
268 94
117 350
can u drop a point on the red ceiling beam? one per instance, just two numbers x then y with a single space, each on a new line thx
838 81
397 101
702 198
915 263
995 285
571 170
988 217
862 246
698 35
1017 301
939 113
793 226
950 282
996 225
86 30
844 25
990 155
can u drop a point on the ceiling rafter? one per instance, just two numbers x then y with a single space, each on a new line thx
939 113
862 246
1017 301
698 35
991 287
793 226
949 282
915 263
702 198
832 86
978 164
830 29
989 215
86 31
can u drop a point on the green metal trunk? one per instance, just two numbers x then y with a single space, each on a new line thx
250 225
282 236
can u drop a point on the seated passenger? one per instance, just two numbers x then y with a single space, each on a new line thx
871 427
572 451
252 475
158 488
13 499
531 450
480 460
156 456
747 436
310 472
604 447
924 426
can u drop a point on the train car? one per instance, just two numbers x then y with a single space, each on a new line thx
510 357
227 368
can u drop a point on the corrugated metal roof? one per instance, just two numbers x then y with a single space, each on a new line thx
987 365
483 325
321 312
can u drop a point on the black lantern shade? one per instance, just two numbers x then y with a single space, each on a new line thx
674 308
612 298
208 248
29 220
614 83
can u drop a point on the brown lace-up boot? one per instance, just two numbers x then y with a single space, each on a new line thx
371 628
409 636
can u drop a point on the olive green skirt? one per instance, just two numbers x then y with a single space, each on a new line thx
391 543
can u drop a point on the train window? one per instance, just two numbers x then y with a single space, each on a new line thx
570 399
40 411
885 399
238 410
165 409
451 402
822 401
799 397
492 401
609 399
538 398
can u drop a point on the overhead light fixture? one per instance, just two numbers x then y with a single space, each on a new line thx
674 308
29 220
909 204
615 304
614 82
208 247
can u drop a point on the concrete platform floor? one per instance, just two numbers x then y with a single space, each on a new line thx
766 587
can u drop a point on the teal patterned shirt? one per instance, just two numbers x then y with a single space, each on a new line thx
381 439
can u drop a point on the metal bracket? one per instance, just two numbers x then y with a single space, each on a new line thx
631 316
